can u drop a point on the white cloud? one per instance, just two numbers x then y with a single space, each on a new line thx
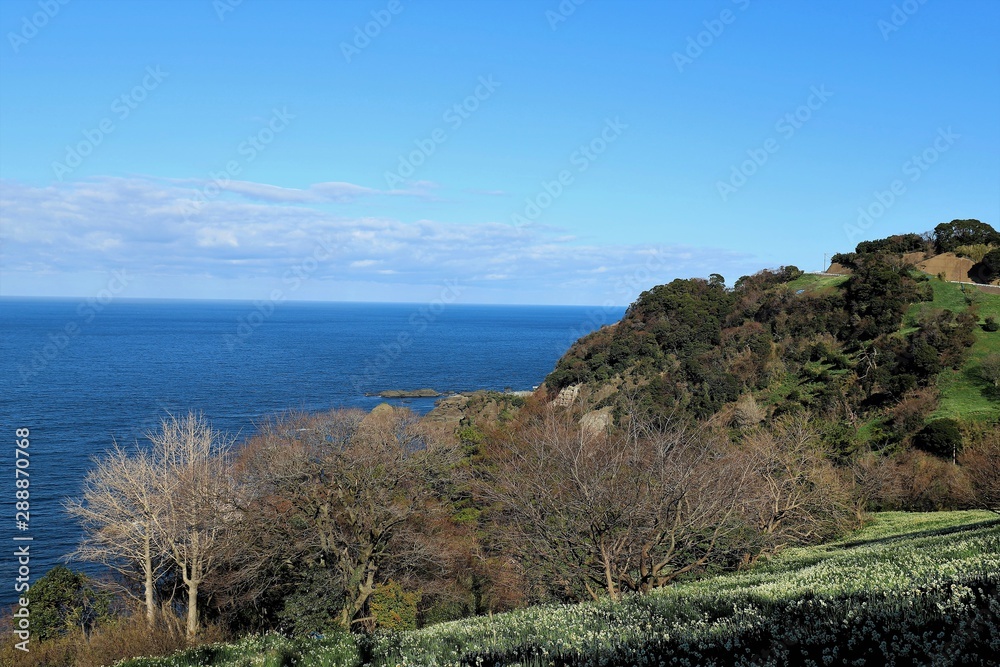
209 238
260 232
316 193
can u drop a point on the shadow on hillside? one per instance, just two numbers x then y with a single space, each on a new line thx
988 389
989 523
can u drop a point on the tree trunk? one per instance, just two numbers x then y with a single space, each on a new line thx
364 590
192 611
609 580
150 601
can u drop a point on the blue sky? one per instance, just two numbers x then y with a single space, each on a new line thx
531 151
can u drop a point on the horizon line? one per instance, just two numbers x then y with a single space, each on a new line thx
23 297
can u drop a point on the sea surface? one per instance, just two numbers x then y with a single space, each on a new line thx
82 374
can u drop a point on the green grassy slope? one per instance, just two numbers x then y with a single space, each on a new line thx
963 393
812 281
909 587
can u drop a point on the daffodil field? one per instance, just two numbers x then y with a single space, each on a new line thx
909 589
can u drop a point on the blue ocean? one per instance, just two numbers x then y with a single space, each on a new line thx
81 374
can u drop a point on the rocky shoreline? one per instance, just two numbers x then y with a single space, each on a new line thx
409 393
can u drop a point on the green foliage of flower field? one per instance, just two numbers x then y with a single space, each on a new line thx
263 651
908 589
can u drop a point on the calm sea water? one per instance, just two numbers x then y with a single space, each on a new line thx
80 375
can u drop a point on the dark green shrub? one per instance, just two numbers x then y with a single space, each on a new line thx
941 437
950 235
313 605
877 296
897 245
991 324
988 269
846 259
63 600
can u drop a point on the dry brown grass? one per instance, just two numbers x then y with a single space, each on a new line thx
914 257
106 645
951 265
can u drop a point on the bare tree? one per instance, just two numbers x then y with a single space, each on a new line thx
117 512
981 462
195 515
796 495
607 512
874 483
343 498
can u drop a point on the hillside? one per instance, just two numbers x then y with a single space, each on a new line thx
874 354
964 393
908 585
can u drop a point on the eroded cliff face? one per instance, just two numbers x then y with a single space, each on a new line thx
477 407
486 408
